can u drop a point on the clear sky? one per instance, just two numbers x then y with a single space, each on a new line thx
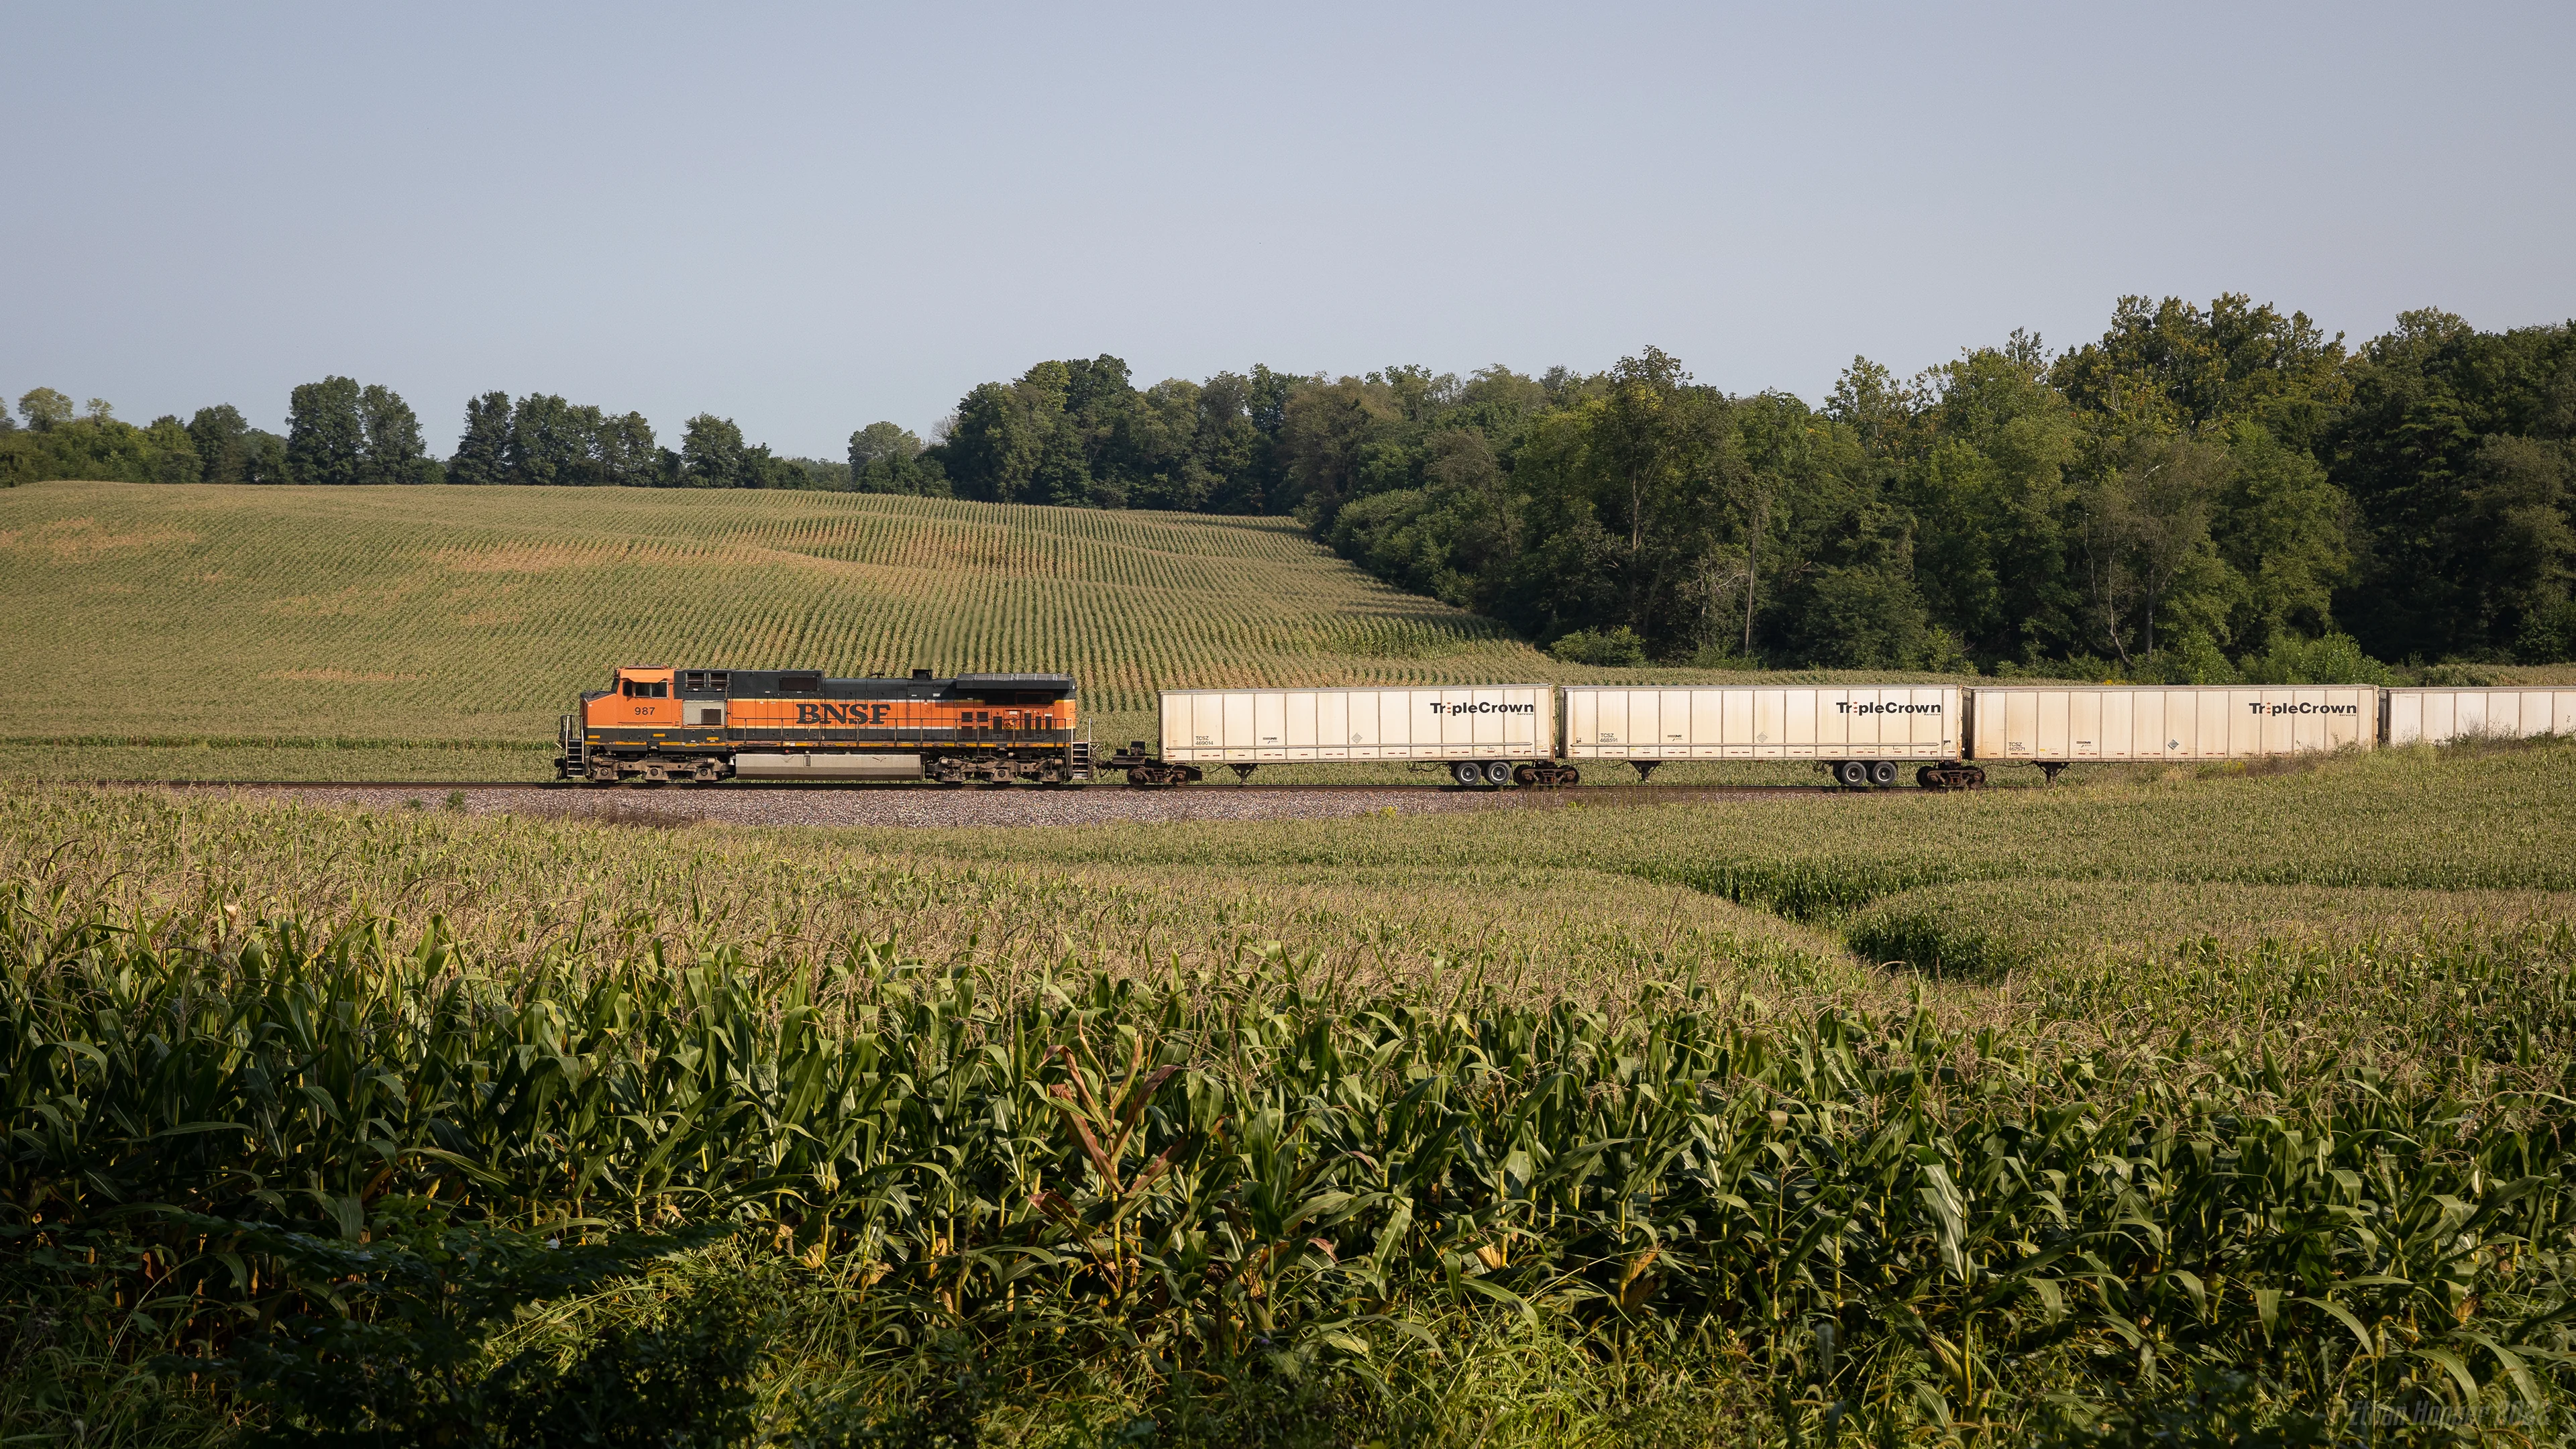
808 219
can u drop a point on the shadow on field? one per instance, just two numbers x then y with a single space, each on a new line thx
612 810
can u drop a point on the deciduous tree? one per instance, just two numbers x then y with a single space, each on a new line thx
44 408
483 449
326 436
220 435
393 450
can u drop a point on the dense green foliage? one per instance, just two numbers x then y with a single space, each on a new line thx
56 443
1920 1226
340 433
1079 433
2197 496
544 441
2456 446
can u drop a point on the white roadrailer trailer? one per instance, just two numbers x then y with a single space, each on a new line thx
1859 734
2436 716
2055 725
1482 734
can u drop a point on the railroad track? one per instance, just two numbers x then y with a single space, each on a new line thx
807 787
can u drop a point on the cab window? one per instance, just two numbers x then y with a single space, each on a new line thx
638 689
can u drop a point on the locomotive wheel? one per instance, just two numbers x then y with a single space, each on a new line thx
1467 773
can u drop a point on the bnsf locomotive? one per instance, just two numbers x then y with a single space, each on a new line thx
662 724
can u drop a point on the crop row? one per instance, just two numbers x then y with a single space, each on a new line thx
446 612
1199 1168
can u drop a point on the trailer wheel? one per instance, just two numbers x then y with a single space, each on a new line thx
1467 773
1883 774
1853 774
1498 772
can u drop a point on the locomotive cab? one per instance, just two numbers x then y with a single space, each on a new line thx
635 699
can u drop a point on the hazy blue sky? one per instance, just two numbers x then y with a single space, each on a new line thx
809 219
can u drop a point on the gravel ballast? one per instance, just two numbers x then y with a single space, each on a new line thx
1016 807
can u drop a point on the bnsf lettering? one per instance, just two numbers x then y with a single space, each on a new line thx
1482 706
2260 708
841 714
1844 706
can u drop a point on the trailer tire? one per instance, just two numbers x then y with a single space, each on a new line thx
1467 773
1852 773
1498 772
1883 774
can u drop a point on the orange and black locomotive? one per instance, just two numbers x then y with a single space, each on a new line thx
660 724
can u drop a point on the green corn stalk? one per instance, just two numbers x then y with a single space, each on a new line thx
1195 1174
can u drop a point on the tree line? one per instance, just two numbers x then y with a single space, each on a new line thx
2199 494
339 432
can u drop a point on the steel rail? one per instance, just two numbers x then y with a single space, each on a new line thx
926 787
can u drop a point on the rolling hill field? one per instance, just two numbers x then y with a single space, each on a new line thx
1534 1125
438 632
213 632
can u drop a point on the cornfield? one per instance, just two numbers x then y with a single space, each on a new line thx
1918 1229
402 617
1399 1107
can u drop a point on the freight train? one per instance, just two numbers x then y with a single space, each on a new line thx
665 724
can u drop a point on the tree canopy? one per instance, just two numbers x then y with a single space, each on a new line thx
2200 493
